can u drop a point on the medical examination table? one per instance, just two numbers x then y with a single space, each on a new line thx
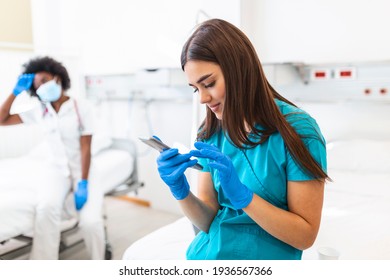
115 166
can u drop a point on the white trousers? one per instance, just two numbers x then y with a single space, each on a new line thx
92 223
47 190
53 191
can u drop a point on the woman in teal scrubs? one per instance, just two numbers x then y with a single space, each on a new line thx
260 192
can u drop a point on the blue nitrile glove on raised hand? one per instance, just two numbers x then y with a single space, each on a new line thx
238 194
81 194
24 83
171 166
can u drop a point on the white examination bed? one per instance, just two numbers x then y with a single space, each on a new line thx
114 170
356 212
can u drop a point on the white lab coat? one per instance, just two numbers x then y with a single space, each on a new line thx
62 143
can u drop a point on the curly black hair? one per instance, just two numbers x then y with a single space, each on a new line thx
50 65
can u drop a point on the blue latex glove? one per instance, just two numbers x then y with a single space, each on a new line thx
81 194
171 166
238 194
24 83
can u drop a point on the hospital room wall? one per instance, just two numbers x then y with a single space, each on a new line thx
110 37
118 36
103 37
322 31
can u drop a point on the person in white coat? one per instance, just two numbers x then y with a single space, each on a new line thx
68 125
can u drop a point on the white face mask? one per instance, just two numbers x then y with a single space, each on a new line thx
49 91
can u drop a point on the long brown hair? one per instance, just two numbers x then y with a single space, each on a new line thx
249 98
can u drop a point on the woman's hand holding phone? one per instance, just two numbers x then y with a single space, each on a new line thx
171 167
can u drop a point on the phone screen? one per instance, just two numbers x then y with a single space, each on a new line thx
154 143
160 146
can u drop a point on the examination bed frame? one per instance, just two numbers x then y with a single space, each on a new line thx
69 234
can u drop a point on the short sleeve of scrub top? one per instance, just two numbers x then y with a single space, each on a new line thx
86 117
295 172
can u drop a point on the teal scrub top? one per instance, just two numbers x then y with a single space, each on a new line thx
265 169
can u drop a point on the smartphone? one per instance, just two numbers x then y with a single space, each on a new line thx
160 146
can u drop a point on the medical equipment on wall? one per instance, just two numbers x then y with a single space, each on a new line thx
343 97
335 82
143 84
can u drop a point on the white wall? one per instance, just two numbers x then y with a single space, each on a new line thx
112 36
318 31
121 36
10 68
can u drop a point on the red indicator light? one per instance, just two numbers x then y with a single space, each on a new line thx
383 91
367 91
345 73
320 74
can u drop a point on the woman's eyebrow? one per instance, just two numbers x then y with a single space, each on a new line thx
201 79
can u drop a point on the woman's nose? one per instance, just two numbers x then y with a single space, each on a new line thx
204 97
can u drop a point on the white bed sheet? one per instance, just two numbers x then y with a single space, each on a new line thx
355 221
16 220
19 178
